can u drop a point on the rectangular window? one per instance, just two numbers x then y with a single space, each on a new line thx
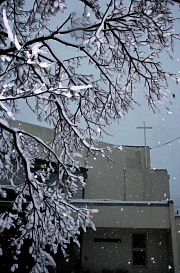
139 249
107 240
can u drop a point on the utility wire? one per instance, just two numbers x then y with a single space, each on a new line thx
165 143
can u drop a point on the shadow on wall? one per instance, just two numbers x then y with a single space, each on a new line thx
115 271
110 271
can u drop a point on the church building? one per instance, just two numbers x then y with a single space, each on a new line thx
136 229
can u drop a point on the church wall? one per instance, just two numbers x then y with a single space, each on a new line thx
112 249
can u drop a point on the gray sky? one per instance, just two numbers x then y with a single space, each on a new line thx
166 126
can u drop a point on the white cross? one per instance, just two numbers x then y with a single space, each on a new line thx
144 127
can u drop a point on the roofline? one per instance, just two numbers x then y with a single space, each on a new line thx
106 202
52 128
109 202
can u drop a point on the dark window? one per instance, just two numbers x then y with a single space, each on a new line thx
139 249
138 240
139 257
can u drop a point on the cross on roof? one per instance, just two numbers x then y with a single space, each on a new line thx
144 128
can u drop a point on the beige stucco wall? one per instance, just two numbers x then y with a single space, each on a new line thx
44 133
105 255
126 178
132 217
157 185
121 179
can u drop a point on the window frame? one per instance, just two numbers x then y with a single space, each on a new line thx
140 248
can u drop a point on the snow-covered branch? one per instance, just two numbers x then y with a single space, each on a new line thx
46 66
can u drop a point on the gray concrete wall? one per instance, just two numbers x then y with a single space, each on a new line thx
110 255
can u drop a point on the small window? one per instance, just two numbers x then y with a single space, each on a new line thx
139 249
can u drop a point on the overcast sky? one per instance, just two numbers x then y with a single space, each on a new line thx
166 124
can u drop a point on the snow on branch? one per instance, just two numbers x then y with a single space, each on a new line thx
77 76
49 209
12 38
